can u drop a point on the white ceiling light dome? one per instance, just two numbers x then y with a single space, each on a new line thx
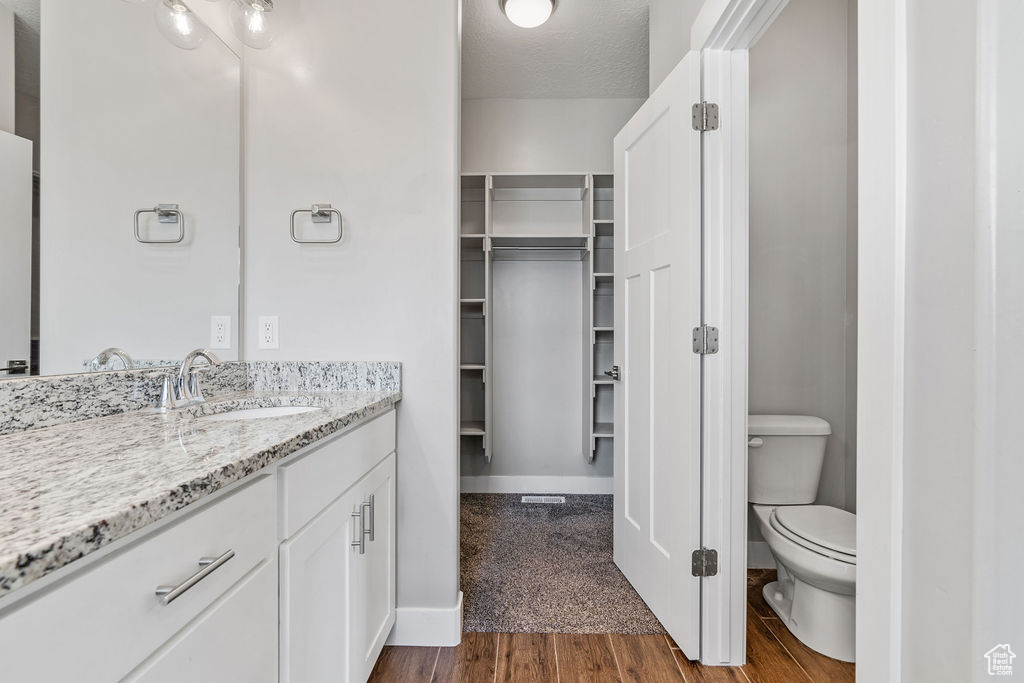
527 13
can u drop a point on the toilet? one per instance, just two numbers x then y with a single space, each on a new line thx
814 546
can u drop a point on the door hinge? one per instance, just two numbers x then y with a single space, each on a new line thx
705 340
705 562
705 116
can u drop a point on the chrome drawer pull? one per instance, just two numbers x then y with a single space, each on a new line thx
208 565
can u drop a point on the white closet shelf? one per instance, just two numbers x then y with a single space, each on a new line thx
604 221
603 379
571 187
604 430
604 275
472 428
472 366
472 235
472 301
604 329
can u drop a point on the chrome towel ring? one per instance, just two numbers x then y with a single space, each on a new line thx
320 213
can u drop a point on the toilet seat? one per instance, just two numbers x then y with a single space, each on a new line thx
826 530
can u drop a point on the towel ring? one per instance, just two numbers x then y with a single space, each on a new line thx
320 213
166 213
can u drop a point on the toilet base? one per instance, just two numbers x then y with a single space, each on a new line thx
821 620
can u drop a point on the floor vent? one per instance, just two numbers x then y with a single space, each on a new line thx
543 499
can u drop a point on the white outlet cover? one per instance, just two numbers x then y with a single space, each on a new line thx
220 331
267 332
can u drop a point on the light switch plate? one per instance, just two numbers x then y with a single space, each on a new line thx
220 331
268 332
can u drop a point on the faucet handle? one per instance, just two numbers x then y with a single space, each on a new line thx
166 400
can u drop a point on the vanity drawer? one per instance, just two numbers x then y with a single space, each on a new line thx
314 479
103 620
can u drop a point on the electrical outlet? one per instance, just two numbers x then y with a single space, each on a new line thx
268 332
220 331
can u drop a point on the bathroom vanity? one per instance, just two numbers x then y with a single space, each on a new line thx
250 538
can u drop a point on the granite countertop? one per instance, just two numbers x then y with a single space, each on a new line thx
71 489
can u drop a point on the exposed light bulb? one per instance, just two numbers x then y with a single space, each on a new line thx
179 25
252 22
528 13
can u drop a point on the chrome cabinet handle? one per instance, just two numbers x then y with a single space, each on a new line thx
373 525
362 531
207 566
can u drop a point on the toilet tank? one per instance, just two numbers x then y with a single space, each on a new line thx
785 454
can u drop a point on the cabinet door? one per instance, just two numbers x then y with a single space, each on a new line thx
372 600
235 639
316 574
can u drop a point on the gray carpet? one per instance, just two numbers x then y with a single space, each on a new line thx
545 568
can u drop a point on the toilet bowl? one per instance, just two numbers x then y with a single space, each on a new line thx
814 593
814 546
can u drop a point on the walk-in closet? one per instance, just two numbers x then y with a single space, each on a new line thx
536 330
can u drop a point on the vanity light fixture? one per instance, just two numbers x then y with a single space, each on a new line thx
253 23
527 13
179 25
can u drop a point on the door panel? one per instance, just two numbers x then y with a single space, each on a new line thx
657 299
315 585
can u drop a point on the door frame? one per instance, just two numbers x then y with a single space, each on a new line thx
723 32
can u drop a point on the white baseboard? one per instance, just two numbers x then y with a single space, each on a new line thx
577 485
759 556
430 627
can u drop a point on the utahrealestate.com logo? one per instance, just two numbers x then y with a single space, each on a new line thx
1000 660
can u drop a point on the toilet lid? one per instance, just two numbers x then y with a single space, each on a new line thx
822 525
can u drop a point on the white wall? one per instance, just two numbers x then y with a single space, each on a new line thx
939 415
542 135
802 228
940 511
6 69
129 121
670 24
998 469
357 104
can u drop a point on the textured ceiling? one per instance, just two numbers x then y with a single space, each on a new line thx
26 44
588 48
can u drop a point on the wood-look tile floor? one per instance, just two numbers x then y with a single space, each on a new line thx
773 656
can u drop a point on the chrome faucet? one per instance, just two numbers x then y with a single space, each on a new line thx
105 355
188 389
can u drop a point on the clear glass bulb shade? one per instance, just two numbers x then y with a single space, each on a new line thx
179 25
254 22
528 13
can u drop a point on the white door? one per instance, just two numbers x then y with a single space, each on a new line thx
657 304
315 585
16 250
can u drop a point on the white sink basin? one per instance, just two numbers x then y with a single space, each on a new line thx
258 413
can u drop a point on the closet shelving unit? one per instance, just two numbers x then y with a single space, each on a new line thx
536 217
602 302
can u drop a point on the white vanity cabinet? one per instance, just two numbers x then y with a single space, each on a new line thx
104 620
337 566
287 575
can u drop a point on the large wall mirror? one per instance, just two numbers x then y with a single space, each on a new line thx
120 150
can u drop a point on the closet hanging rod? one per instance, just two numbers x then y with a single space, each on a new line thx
538 248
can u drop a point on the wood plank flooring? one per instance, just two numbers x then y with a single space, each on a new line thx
773 656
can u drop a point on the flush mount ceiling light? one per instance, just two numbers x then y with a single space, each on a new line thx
179 25
527 13
252 22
